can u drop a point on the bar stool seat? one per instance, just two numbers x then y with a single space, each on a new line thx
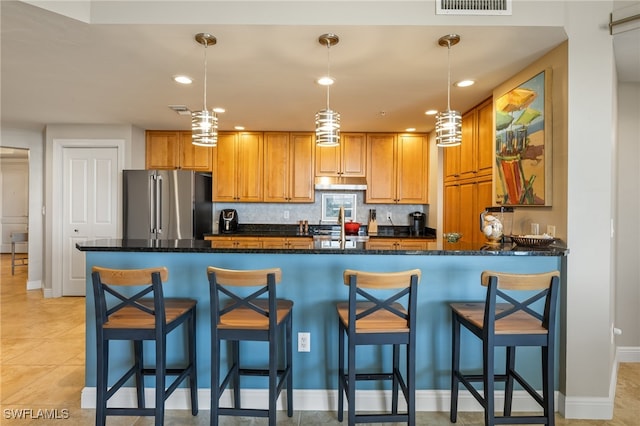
123 314
525 320
237 314
380 311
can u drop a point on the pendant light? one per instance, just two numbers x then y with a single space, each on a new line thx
204 124
449 122
327 120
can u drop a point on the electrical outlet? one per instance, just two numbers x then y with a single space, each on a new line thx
389 216
304 341
286 214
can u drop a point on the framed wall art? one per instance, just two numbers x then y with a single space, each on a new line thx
523 145
331 204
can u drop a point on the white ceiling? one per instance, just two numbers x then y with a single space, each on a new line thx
60 70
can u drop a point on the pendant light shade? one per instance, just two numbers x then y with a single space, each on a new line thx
204 124
449 122
327 120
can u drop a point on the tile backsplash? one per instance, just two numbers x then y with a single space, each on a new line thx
275 212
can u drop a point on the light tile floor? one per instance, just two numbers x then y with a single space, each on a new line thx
42 368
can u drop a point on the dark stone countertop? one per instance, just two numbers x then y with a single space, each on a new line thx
278 230
434 248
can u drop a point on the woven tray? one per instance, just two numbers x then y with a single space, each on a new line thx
532 241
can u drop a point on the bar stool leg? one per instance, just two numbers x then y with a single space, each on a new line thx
411 382
235 345
455 367
489 383
394 379
101 381
289 358
193 376
161 365
547 384
138 354
341 332
273 378
351 381
215 379
508 388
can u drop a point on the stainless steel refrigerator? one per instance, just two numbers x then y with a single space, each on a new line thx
167 204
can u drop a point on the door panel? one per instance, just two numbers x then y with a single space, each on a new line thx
90 180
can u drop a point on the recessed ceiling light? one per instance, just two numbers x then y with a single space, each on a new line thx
325 81
410 129
464 83
182 79
238 127
431 112
219 110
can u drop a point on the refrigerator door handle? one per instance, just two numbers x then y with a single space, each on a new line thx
152 199
159 205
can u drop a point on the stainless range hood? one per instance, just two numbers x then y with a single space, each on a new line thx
341 183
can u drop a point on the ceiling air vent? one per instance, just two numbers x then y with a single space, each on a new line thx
473 7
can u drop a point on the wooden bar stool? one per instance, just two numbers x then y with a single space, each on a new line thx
380 311
517 321
238 317
122 313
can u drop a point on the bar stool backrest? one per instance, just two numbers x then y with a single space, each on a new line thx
106 281
502 286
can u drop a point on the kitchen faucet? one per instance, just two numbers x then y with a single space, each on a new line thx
341 222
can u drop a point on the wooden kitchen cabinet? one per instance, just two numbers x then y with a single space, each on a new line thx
237 167
288 167
233 241
347 159
397 243
474 156
170 150
287 242
464 201
397 169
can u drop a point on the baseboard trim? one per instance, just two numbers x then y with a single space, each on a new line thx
317 400
628 354
34 285
47 293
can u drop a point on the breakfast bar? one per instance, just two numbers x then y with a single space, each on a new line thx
312 278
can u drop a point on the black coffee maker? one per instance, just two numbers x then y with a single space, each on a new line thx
228 221
417 223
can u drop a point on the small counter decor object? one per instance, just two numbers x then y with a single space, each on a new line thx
496 222
452 237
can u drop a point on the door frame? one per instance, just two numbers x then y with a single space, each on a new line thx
59 145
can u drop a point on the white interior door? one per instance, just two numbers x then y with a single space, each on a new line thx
89 208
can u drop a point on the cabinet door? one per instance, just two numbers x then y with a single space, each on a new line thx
412 244
451 162
469 219
274 242
194 157
381 169
327 161
220 242
485 146
162 150
354 154
381 244
484 198
247 242
412 169
225 168
467 147
300 243
301 159
276 167
451 219
249 161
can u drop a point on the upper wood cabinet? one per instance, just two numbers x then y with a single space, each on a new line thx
171 150
397 168
237 167
474 156
347 159
288 167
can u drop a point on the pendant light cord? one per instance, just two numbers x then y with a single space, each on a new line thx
328 71
449 75
205 78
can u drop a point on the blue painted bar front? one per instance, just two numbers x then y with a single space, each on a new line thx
314 282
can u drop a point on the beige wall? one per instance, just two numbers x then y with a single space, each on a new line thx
556 213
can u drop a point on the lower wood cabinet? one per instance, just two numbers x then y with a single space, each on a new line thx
397 243
464 201
226 241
